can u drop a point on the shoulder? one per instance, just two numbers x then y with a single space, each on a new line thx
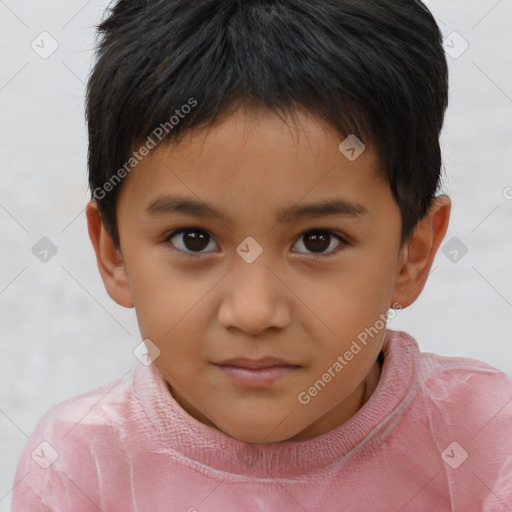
461 409
467 405
457 396
447 377
101 406
468 397
454 374
76 423
62 451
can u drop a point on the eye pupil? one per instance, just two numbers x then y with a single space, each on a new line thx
195 240
317 241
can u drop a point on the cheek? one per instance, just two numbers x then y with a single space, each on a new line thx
161 293
373 277
174 319
348 299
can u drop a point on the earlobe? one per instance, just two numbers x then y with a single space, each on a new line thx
417 257
109 259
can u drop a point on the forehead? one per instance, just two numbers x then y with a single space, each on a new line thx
259 129
254 155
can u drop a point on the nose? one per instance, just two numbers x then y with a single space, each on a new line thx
254 299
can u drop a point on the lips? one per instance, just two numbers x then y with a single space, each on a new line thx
256 373
255 364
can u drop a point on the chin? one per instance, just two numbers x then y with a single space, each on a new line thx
258 438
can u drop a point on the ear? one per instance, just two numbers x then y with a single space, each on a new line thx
417 256
109 258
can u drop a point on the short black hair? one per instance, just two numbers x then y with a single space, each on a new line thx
372 68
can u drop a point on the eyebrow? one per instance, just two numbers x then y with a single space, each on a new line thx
169 205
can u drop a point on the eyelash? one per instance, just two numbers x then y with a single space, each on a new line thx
343 242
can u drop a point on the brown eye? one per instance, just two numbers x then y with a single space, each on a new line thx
190 240
318 241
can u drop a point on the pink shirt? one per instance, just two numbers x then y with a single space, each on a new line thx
436 435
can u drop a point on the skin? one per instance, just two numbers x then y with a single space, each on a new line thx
297 301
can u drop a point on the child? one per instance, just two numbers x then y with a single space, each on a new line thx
264 177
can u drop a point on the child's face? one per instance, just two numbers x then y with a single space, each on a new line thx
209 296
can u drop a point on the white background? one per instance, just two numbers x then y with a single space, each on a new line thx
60 332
